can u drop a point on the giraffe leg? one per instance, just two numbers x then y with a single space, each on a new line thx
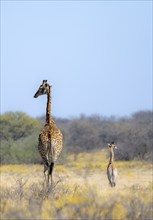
42 148
45 175
48 178
51 167
51 172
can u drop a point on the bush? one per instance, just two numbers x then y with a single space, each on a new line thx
21 151
16 125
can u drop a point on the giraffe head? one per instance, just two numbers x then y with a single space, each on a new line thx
44 88
112 145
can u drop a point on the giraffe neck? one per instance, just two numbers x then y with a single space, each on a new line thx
48 108
111 160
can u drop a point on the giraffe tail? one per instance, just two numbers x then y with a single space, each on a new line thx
51 168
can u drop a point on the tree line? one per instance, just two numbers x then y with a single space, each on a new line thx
133 135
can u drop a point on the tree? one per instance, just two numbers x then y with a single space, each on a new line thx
16 125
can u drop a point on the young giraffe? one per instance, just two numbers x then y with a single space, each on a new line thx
50 137
111 170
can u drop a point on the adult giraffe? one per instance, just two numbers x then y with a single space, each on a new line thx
50 137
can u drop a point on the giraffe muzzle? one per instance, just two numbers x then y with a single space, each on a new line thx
36 95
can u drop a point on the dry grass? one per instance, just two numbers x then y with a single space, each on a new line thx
80 191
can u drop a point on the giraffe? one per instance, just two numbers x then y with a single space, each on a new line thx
111 170
50 138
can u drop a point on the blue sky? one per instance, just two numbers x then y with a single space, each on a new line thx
96 54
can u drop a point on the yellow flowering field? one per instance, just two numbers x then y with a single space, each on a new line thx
80 190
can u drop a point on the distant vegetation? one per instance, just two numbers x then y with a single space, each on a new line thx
133 135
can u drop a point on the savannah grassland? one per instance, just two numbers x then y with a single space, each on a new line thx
80 191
